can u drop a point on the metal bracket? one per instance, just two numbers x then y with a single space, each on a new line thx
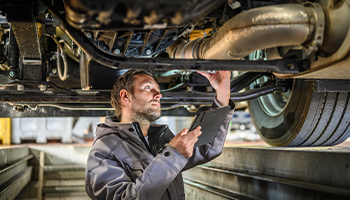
320 26
32 69
25 30
187 30
26 34
31 62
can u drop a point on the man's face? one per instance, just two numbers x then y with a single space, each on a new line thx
145 102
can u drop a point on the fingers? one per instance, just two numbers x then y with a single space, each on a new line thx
184 131
193 135
197 131
217 80
184 141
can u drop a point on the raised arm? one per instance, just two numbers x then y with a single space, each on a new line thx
220 81
202 154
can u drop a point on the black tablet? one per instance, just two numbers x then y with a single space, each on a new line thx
210 121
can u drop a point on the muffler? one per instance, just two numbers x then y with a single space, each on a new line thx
260 28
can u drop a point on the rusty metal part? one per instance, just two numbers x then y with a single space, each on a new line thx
27 34
266 27
27 37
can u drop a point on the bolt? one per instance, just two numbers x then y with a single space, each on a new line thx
191 108
319 39
54 70
20 87
12 74
290 66
132 53
88 34
137 36
209 89
148 52
117 51
189 89
102 45
54 56
42 87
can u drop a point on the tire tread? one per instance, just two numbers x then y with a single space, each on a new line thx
325 128
320 111
333 114
345 117
310 118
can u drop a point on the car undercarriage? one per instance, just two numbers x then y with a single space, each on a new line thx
289 59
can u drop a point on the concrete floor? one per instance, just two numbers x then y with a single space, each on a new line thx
307 172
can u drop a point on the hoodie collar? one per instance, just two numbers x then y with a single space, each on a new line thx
113 122
125 130
128 131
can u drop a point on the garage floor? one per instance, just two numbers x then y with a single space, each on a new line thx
245 170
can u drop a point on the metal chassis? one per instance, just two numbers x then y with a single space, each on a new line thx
284 66
100 100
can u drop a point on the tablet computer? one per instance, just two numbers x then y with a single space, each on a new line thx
210 121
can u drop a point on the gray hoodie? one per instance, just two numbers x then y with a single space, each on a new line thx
121 165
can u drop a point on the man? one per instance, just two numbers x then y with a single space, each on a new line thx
131 158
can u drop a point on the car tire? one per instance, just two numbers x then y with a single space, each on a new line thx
308 118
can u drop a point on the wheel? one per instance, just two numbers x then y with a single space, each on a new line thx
302 117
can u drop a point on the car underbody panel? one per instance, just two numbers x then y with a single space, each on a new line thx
62 57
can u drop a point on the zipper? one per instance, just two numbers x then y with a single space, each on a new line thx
139 133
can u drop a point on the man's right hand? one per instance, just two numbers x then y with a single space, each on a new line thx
184 141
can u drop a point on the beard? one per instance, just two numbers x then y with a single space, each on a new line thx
144 111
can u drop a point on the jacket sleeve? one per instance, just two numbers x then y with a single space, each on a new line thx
205 153
107 179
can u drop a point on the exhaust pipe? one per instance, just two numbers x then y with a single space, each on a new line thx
260 28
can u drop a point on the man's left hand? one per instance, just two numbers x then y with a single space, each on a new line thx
220 81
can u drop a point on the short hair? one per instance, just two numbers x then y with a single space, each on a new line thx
126 81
